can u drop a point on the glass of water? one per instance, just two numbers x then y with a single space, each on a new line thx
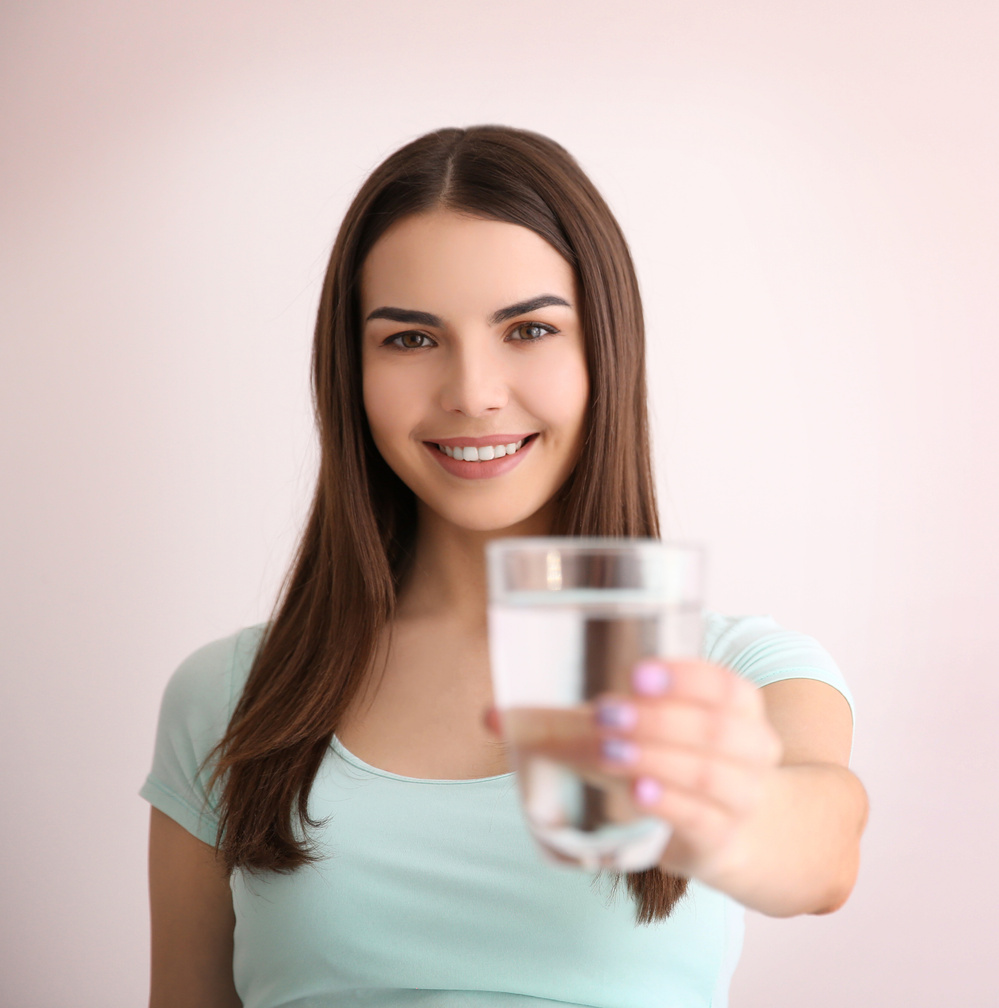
568 619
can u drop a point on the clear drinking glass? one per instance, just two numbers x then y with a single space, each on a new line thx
568 619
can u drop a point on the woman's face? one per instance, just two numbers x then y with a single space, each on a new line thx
471 340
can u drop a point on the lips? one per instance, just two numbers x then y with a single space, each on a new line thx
479 442
482 469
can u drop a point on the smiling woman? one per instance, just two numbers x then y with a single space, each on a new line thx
335 820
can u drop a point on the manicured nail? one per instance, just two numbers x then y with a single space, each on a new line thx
650 678
616 714
648 791
619 750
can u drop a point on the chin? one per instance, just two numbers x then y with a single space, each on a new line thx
511 526
498 521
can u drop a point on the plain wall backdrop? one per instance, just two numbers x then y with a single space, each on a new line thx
809 190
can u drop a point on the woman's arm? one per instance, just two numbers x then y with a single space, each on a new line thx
753 781
192 921
794 845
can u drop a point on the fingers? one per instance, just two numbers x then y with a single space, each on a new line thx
696 681
705 709
565 735
692 705
725 773
700 827
696 742
692 745
725 784
729 733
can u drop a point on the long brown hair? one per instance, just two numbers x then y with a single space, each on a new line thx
341 589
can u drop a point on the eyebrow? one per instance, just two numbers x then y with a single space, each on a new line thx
410 317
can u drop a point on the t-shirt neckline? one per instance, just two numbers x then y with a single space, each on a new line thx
343 751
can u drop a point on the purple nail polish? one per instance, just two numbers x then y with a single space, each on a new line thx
616 714
619 750
650 678
647 791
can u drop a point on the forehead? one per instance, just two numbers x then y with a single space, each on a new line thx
450 263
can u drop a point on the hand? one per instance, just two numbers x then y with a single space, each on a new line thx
692 745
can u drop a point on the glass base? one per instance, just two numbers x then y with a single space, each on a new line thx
633 847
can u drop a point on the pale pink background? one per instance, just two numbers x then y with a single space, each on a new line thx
810 190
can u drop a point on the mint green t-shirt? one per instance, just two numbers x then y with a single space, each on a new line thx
432 892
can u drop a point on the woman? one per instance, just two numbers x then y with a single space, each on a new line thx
334 817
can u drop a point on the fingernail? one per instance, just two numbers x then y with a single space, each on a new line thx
616 714
619 750
648 790
650 678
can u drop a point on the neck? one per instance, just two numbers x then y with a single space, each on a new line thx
448 574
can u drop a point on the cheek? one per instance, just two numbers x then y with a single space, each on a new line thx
389 404
559 395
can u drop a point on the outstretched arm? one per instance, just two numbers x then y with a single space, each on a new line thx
763 805
753 781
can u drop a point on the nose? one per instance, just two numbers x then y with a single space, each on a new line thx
474 382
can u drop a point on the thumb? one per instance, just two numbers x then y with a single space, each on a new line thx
491 720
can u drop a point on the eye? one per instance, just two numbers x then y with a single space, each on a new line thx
409 341
532 332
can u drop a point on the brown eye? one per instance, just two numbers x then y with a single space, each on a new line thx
410 340
532 332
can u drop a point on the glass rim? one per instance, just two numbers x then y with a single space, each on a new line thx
536 569
592 544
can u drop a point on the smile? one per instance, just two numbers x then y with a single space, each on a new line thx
482 461
482 453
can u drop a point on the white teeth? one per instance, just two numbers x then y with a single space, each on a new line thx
472 454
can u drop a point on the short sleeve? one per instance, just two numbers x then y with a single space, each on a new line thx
758 649
197 703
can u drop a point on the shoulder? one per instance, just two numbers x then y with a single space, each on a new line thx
209 680
759 649
197 704
202 692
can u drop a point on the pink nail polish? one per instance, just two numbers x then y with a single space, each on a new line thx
619 750
650 678
616 714
647 791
